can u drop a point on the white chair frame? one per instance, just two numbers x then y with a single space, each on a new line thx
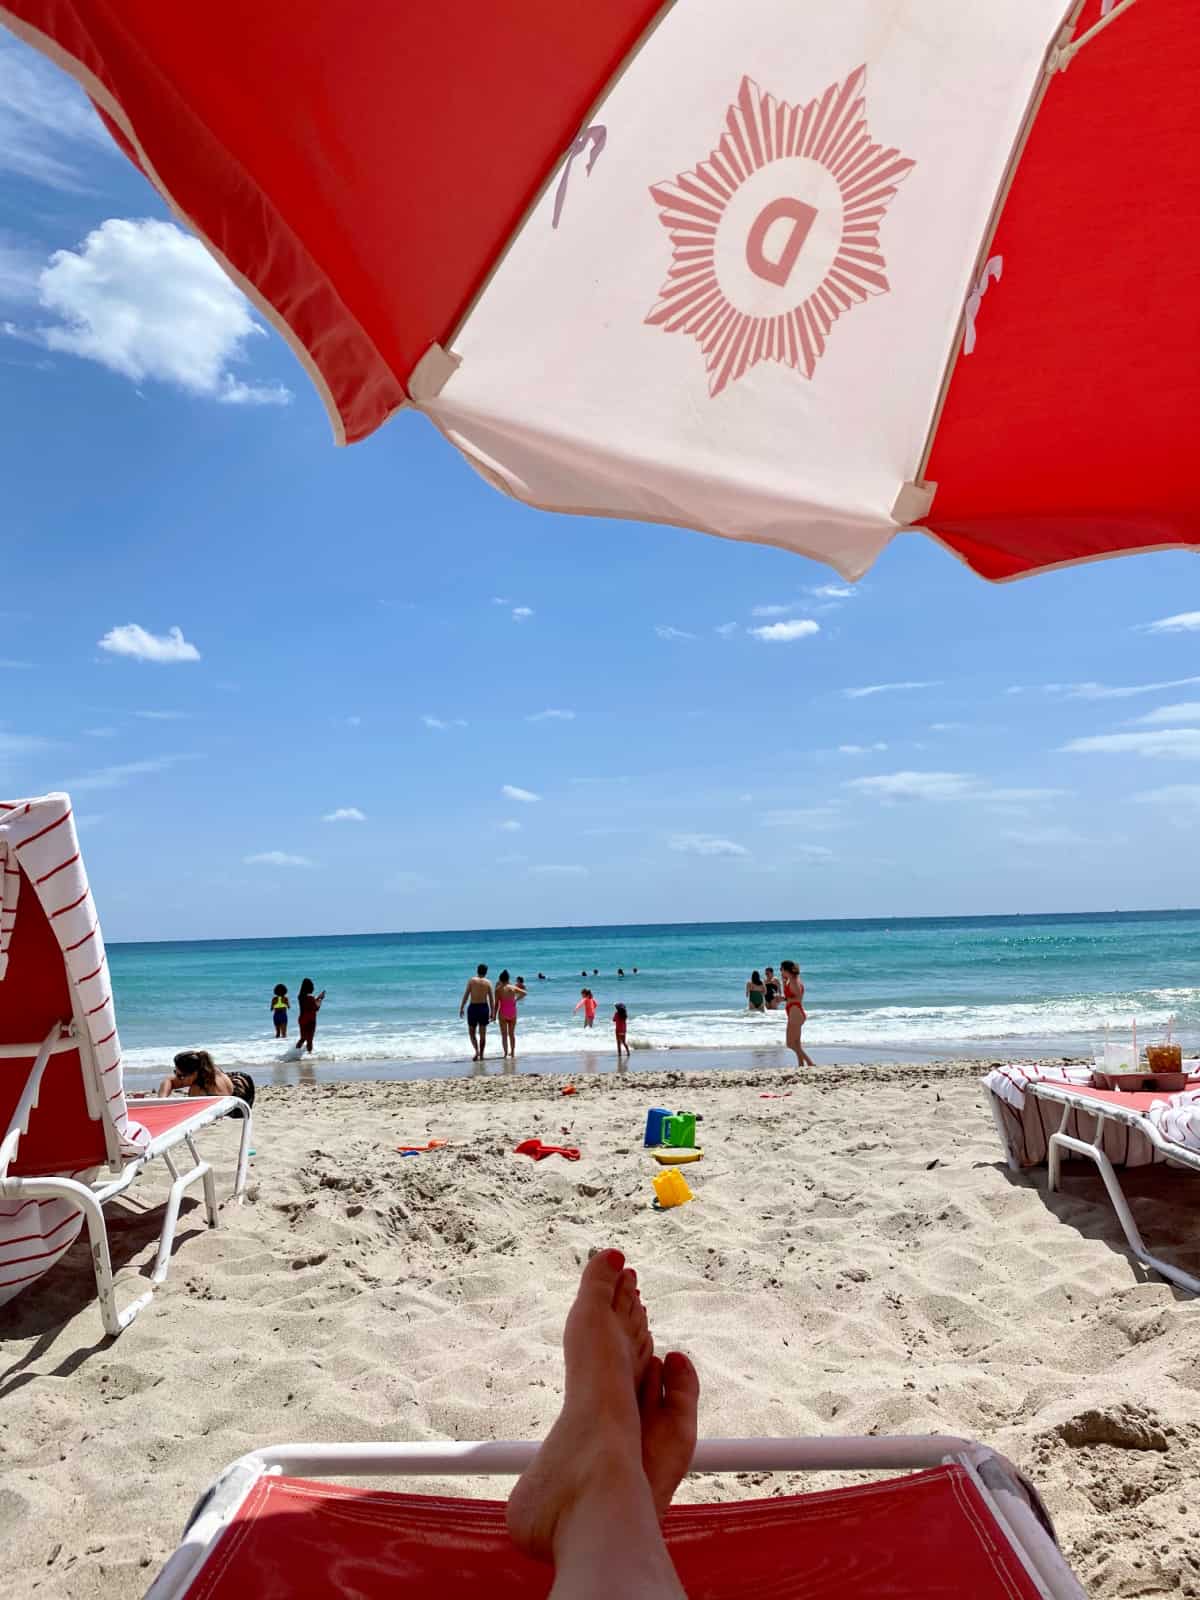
1093 1150
91 1197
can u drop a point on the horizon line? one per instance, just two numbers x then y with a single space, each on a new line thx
607 927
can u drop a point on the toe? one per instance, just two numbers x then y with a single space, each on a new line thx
603 1274
650 1389
681 1388
642 1355
625 1295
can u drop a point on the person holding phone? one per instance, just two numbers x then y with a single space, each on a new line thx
310 1004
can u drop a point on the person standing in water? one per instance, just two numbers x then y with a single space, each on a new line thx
507 996
621 1027
279 1010
771 990
306 1024
479 1003
589 1005
793 999
755 995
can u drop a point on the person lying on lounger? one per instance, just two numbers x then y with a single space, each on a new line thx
616 1454
198 1073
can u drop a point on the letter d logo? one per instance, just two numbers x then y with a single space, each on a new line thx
780 270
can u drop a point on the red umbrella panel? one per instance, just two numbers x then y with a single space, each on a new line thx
799 273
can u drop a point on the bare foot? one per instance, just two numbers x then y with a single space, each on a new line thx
597 1437
667 1400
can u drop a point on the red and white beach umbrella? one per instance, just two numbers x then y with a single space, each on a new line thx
801 272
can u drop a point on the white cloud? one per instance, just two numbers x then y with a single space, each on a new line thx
161 716
1048 836
947 727
569 871
100 733
1181 622
118 776
801 817
47 123
786 632
20 744
551 715
1171 716
130 639
909 785
15 666
705 844
771 611
860 749
276 858
436 722
354 722
664 630
147 301
862 692
1179 798
501 600
345 814
1103 691
1169 744
511 792
522 613
915 785
832 591
726 629
509 825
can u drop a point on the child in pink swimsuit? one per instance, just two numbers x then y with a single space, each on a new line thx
589 1006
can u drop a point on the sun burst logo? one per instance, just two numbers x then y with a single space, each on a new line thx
776 235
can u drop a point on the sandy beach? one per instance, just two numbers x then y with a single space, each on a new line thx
856 1260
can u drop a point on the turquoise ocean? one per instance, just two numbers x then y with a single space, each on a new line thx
876 990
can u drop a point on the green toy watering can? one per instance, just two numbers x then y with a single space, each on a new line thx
679 1130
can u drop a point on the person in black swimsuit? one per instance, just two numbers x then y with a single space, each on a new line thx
771 990
198 1073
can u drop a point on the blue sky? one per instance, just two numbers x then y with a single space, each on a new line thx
295 689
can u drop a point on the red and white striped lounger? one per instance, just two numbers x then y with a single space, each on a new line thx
962 1526
71 1142
1044 1114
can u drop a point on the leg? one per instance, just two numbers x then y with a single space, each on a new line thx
474 1041
483 1028
615 1456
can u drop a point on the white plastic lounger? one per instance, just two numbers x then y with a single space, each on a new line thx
960 1525
71 1143
1045 1114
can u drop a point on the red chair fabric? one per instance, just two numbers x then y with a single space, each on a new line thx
928 1536
158 1120
62 1136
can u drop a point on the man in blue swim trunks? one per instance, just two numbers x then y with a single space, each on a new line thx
479 1003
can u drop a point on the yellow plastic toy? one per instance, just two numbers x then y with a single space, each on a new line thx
671 1188
677 1158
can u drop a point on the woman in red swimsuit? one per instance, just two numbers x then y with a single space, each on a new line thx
793 998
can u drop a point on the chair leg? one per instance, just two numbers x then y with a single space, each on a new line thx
1116 1194
202 1173
210 1185
239 1185
114 1321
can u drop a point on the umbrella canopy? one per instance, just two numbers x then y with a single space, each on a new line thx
802 272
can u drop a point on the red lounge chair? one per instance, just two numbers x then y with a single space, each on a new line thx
961 1527
72 1143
